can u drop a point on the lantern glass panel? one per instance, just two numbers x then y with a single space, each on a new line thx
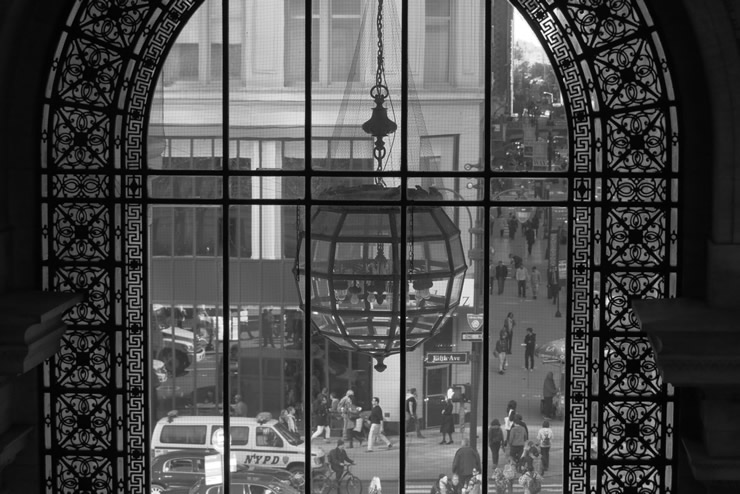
325 223
431 256
320 260
457 286
456 251
320 294
347 251
324 323
424 226
445 223
375 227
338 340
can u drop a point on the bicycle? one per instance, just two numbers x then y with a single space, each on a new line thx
328 484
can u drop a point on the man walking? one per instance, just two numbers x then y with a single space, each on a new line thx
465 462
376 426
521 280
535 278
501 273
529 343
412 420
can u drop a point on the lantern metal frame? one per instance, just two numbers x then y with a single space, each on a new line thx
356 271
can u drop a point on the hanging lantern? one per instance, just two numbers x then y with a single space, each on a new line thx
357 256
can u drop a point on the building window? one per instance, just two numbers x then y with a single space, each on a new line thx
437 42
335 30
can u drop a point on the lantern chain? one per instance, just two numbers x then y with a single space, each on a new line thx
299 239
380 70
411 248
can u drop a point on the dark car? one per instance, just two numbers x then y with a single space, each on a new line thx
177 472
245 483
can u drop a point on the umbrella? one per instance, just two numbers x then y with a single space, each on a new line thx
552 352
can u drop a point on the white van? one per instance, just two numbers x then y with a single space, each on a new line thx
267 443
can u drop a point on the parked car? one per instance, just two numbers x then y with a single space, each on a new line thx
245 483
177 472
257 441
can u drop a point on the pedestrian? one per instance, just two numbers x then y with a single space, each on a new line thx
509 418
509 324
526 461
349 415
267 331
320 417
440 486
553 284
500 352
530 340
374 487
447 426
501 272
290 420
516 439
338 460
240 408
515 261
376 426
499 482
521 274
544 439
455 486
549 391
495 440
513 225
529 237
535 278
531 481
412 420
474 485
466 461
510 474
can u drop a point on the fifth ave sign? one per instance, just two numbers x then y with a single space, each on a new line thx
446 358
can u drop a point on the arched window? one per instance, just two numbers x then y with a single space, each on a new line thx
188 167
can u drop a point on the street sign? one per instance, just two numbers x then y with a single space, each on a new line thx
472 336
475 321
446 358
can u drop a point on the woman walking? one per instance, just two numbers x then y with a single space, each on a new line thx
509 324
549 390
495 439
447 427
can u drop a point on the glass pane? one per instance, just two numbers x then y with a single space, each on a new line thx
527 325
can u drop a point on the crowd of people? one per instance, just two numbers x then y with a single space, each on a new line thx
524 460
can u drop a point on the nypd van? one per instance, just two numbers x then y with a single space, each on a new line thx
266 443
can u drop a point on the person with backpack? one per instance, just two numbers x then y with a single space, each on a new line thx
544 439
526 461
531 481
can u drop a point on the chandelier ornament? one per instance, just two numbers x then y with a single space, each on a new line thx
356 250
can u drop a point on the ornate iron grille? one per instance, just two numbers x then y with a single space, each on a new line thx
623 220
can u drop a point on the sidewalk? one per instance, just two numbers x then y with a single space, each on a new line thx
426 458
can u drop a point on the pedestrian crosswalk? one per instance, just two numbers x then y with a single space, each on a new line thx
424 488
419 488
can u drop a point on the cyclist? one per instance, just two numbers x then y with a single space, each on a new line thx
338 459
